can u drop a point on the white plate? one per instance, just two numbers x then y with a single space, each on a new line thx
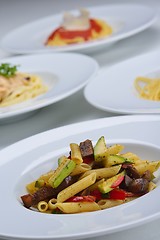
57 72
125 19
39 154
113 89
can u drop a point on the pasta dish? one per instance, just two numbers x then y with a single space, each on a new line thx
148 88
91 178
16 87
78 29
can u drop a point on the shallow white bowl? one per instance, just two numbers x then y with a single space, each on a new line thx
39 154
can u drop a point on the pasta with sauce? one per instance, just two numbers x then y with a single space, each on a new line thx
78 29
19 87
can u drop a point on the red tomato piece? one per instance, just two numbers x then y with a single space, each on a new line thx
88 160
52 35
117 182
130 194
87 198
96 193
95 25
117 194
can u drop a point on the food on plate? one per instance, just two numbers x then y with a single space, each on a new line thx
78 29
148 88
16 87
90 178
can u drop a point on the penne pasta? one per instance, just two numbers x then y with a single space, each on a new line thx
139 161
46 176
78 207
76 187
42 206
31 187
80 168
151 166
75 153
43 179
108 203
103 172
52 204
95 185
131 156
115 149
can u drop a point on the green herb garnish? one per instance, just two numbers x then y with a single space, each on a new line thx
105 195
56 211
7 70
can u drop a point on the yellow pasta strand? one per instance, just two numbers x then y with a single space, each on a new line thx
31 89
148 88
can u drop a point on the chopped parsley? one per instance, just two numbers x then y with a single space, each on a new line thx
7 70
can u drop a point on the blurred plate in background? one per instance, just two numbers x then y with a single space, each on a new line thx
63 73
125 20
113 89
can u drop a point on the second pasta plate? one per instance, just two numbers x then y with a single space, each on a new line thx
120 17
61 79
116 89
39 154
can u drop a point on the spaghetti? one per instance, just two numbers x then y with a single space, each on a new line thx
148 88
19 87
